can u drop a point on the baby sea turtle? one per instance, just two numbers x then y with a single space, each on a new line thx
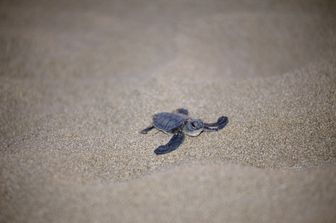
179 124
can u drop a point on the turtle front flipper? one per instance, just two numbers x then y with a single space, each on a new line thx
173 144
221 123
146 130
182 111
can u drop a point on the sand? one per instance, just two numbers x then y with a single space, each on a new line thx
78 80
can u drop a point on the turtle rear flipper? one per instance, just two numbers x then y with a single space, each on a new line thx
221 123
146 130
173 144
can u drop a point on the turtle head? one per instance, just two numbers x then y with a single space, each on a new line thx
193 127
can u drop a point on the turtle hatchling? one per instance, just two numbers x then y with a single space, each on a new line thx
179 123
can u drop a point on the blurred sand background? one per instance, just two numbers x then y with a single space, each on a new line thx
79 79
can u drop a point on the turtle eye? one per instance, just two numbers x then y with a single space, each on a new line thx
193 125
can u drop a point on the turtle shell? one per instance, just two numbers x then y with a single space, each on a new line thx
168 122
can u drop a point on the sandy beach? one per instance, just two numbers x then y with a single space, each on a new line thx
80 79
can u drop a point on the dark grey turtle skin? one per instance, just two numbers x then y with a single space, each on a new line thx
180 124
